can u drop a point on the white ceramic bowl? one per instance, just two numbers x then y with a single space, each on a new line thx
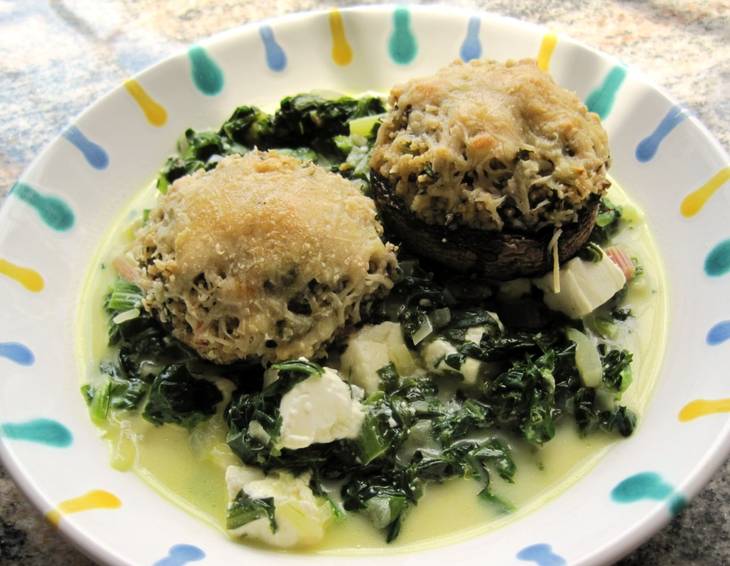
54 217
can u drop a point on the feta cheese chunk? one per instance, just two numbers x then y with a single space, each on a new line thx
470 370
320 409
436 351
584 286
474 334
301 517
373 347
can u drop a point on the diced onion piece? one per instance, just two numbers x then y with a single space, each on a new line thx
363 126
587 358
423 332
125 316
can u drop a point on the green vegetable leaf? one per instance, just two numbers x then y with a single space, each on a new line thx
298 366
591 252
248 126
200 146
178 397
245 509
617 373
608 221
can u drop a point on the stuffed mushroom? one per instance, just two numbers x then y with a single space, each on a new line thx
479 165
263 257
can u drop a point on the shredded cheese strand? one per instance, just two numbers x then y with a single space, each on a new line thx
553 248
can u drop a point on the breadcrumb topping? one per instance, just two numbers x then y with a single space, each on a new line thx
492 145
264 256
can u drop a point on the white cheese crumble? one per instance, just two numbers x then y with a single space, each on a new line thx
584 286
434 355
373 347
320 409
301 517
474 334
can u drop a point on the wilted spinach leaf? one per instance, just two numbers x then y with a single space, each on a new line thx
245 509
178 397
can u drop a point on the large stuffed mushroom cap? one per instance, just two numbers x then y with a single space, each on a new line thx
495 150
263 257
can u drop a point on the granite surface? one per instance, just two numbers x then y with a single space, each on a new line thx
57 57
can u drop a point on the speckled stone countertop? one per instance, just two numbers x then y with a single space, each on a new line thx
57 57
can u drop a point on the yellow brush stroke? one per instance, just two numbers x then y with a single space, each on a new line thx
341 50
155 113
96 499
694 201
28 278
549 41
701 408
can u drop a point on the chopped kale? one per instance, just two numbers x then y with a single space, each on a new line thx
306 126
591 252
123 297
617 369
378 479
590 418
384 497
245 509
621 313
608 221
179 398
523 399
124 393
249 127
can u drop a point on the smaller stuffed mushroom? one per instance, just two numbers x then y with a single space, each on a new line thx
265 257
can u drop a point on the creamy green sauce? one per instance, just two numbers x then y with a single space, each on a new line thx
189 469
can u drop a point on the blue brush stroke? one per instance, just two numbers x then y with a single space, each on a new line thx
402 44
541 554
647 148
16 352
719 333
94 153
181 554
472 47
677 503
275 56
646 485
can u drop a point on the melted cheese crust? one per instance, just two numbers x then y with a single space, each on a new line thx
264 256
490 145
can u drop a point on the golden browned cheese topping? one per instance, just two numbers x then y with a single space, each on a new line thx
490 145
264 256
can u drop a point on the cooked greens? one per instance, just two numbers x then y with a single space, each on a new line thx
177 397
150 369
384 469
307 126
245 509
495 366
